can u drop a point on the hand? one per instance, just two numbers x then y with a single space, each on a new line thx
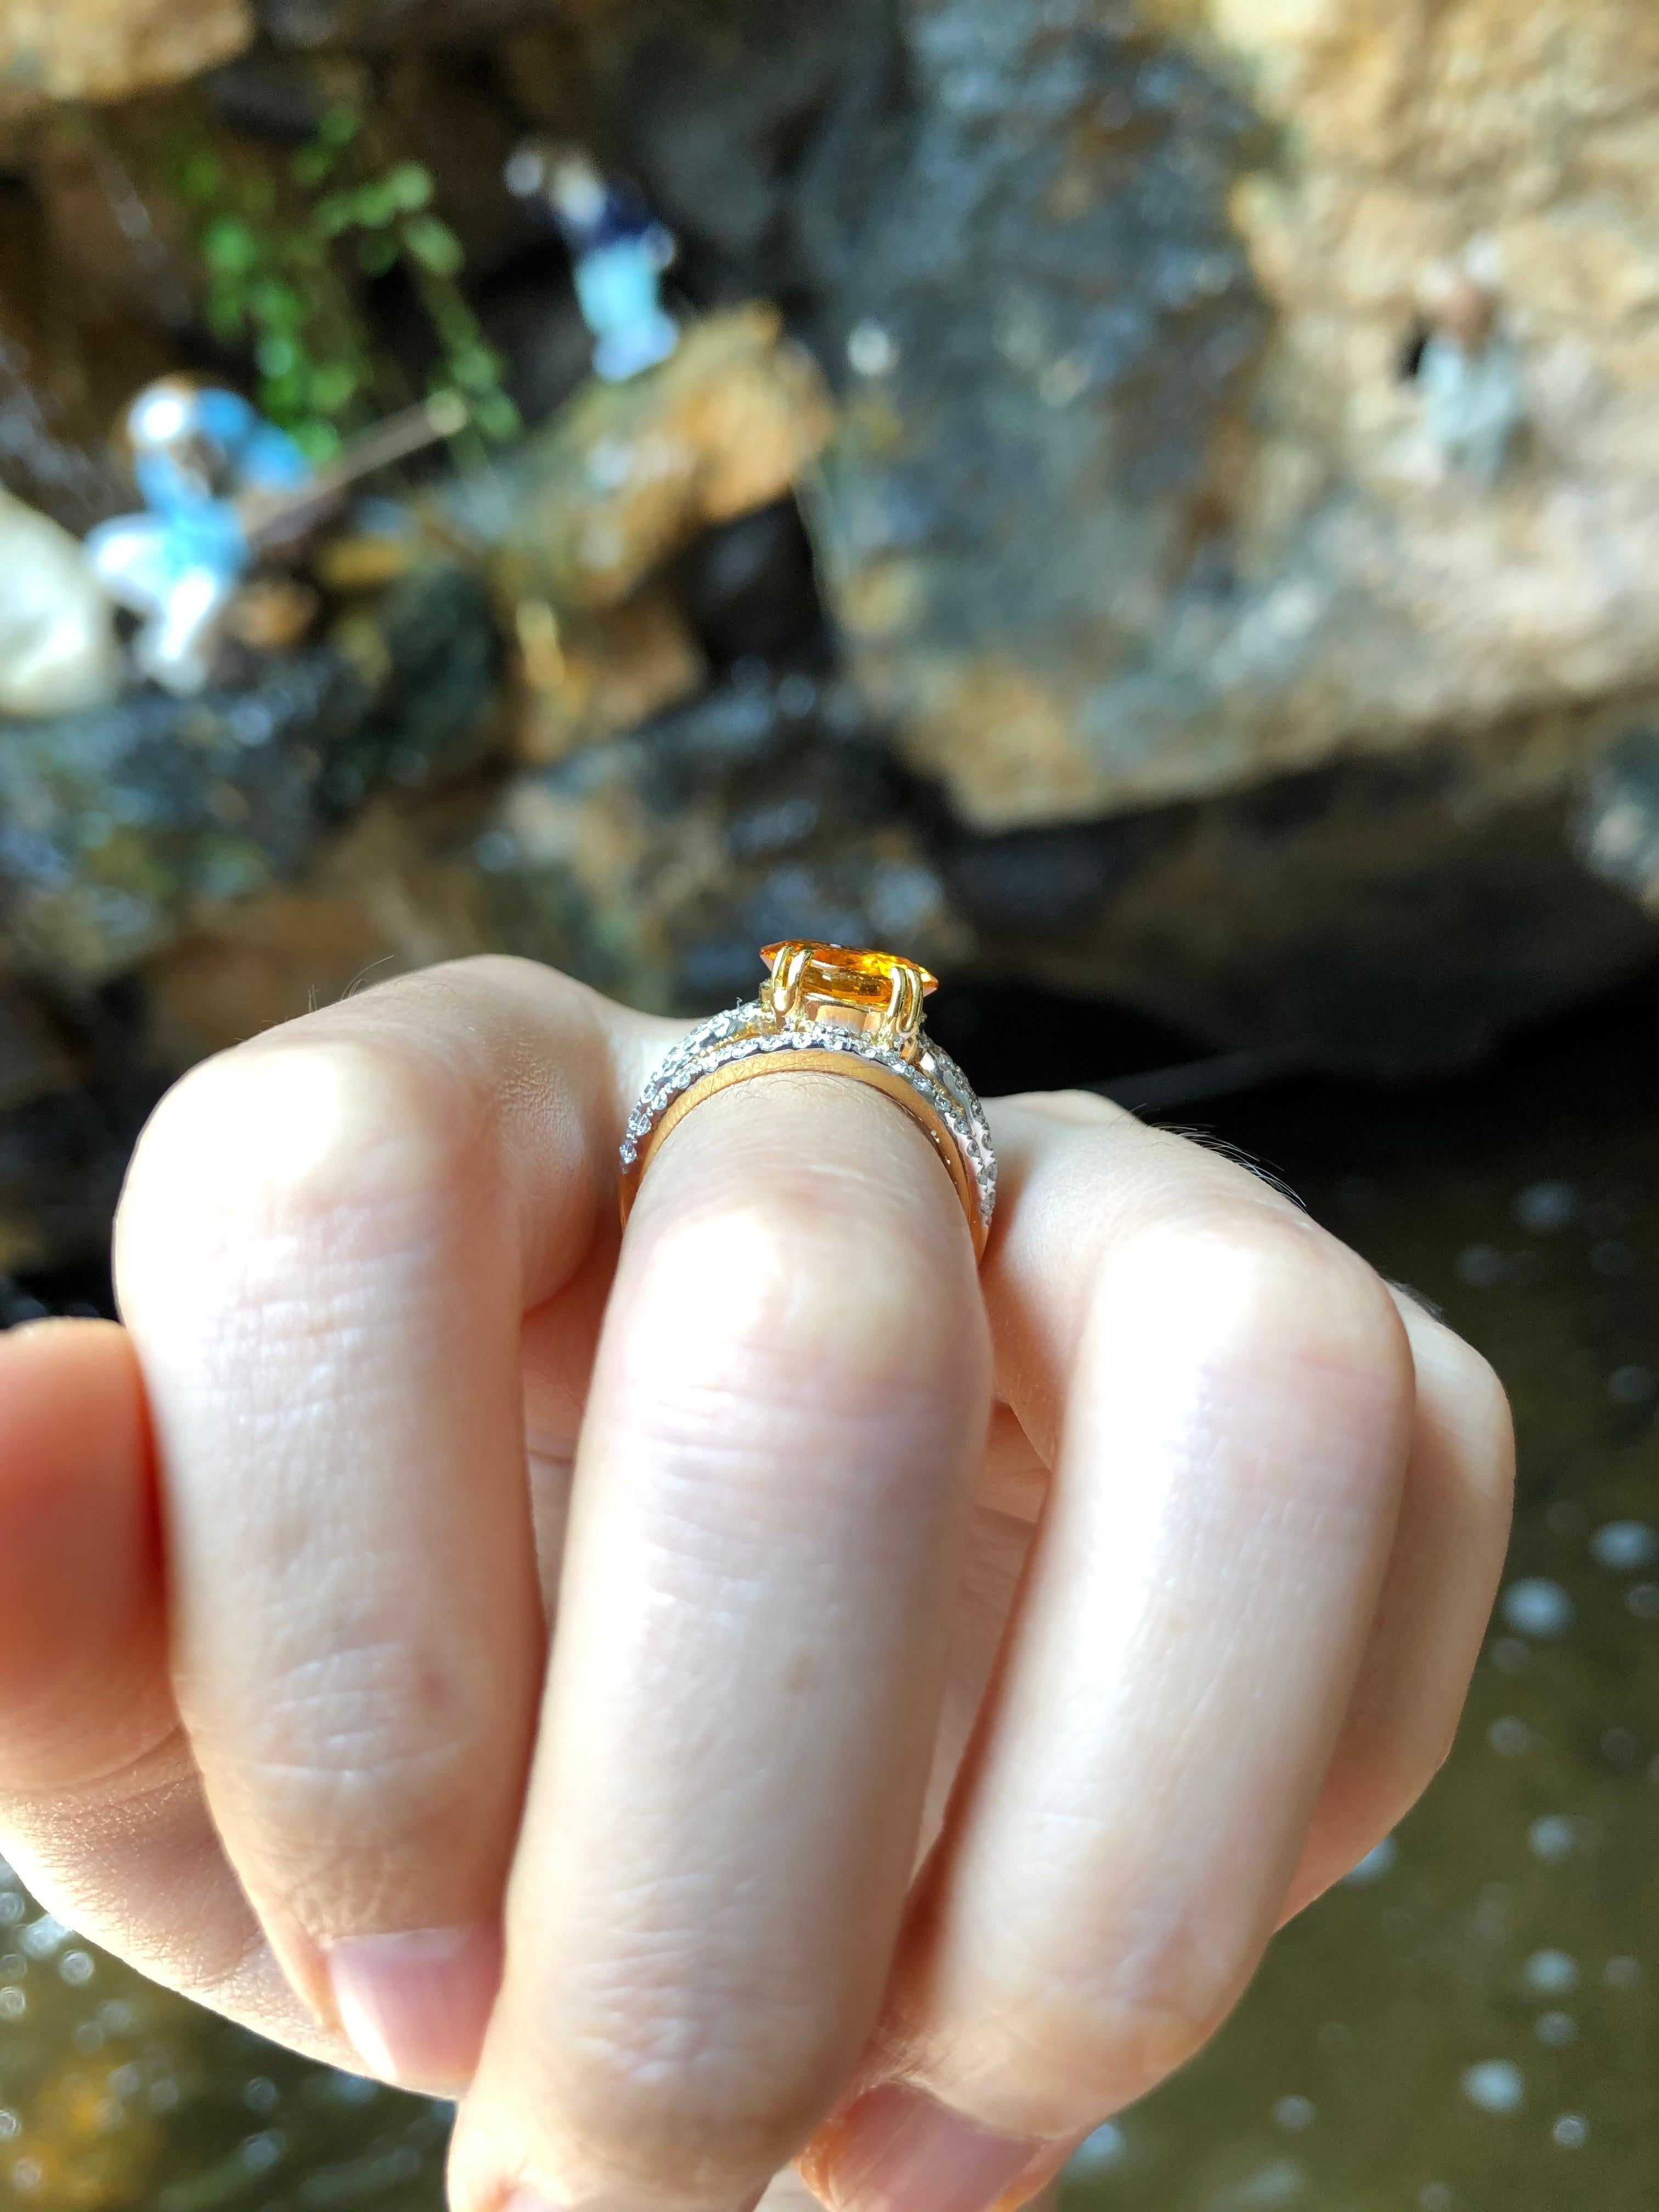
886 1711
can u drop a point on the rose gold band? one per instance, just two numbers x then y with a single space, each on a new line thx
808 1062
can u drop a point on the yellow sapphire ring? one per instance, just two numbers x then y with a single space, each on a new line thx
826 1010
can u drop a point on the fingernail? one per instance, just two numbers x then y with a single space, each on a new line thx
900 2150
415 2005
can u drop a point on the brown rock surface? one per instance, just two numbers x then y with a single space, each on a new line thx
1363 591
628 474
107 49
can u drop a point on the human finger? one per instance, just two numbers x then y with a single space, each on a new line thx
1431 1616
327 1247
772 1481
1229 1396
101 1807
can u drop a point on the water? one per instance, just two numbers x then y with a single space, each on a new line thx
1471 2024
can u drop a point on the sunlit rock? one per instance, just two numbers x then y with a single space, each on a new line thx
106 49
57 647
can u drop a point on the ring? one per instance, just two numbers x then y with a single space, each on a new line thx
828 1009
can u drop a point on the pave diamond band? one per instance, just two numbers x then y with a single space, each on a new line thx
837 1022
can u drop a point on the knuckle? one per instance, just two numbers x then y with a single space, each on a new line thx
1267 1286
262 1139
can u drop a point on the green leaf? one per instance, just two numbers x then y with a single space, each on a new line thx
340 126
278 307
333 386
434 245
229 247
409 186
319 441
377 254
476 369
312 165
276 354
201 177
335 212
497 418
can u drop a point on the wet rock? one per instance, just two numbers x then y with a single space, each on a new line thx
592 677
628 474
1136 494
395 889
57 647
74 1089
656 866
117 824
68 361
1378 916
63 49
1617 828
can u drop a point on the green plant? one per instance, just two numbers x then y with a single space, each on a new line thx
273 246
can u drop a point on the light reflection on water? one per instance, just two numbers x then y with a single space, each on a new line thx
1469 2024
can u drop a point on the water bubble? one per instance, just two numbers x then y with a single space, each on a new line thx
117 2017
88 2038
10 2126
78 1968
1625 1546
1435 2197
1377 1862
1620 1746
1104 2147
1543 1207
1622 1974
1510 1737
13 2003
1643 1599
260 2153
1556 2030
1570 2131
1538 1608
1551 1973
1481 1266
1496 2085
352 2088
12 1908
163 2096
126 2081
261 2094
26 2176
1281 2181
1295 2113
42 1937
495 851
1551 1836
1630 1386
871 350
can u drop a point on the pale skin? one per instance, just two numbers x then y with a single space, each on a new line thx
760 1694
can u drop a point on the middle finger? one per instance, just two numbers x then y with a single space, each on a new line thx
790 1396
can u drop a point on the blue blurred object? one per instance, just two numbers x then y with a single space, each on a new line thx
618 250
196 452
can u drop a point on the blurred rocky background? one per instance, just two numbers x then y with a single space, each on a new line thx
1160 501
